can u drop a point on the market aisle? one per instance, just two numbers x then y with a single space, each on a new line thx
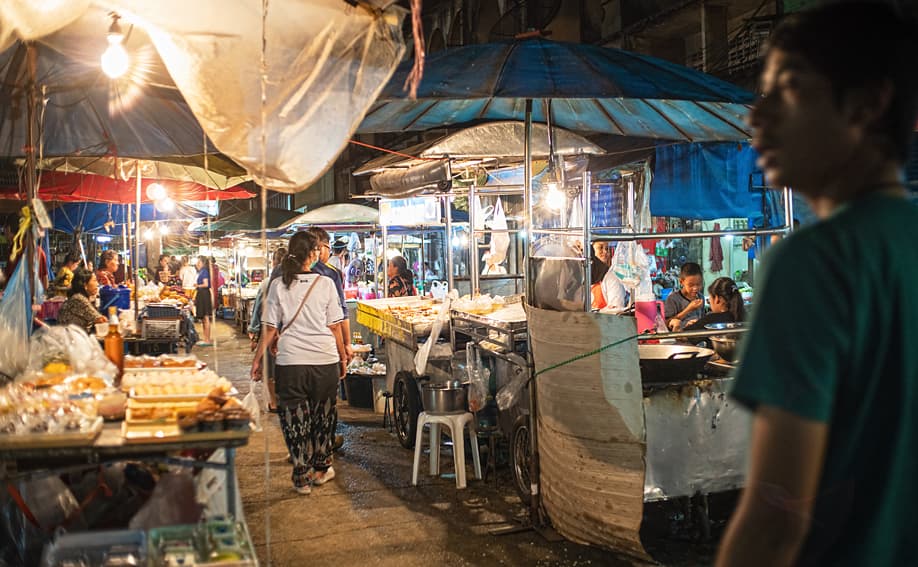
370 514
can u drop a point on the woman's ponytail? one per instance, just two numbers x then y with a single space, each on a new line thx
726 289
302 245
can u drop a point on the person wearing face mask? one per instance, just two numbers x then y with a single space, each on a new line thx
829 369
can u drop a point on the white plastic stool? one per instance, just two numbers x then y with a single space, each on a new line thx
456 423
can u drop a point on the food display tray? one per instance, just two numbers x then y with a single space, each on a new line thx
503 330
375 315
44 440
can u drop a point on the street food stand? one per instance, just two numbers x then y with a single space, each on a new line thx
168 409
481 149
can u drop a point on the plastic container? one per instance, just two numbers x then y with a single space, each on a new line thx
359 390
646 313
119 297
96 548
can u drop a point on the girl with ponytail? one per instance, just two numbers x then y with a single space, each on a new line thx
726 305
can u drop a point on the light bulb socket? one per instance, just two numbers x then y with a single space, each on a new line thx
114 30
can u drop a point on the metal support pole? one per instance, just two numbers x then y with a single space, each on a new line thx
586 194
474 278
447 206
527 195
32 188
231 481
136 262
385 262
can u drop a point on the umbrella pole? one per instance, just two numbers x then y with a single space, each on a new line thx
537 522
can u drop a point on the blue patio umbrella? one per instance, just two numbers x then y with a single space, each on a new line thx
591 89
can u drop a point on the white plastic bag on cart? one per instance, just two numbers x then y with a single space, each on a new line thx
420 358
500 241
479 378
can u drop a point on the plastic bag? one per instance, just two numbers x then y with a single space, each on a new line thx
630 263
479 378
15 323
71 345
500 241
251 404
509 395
420 359
173 502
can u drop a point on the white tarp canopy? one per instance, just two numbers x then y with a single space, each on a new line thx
324 61
341 214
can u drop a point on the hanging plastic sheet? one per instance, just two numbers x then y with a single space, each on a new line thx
325 62
705 182
15 323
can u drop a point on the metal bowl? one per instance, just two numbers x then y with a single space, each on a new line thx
724 345
445 397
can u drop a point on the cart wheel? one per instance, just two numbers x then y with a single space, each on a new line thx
406 407
519 457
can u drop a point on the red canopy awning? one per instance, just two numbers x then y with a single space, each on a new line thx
82 187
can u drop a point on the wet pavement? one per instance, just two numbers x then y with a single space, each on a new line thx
370 513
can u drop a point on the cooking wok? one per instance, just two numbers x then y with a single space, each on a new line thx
672 363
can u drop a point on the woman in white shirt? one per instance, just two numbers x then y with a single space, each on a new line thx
301 312
189 276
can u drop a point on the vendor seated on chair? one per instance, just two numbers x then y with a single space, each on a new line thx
78 308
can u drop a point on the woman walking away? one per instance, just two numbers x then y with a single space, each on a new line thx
302 311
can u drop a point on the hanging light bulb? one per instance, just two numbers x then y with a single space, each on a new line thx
164 229
148 234
115 60
165 205
554 199
155 191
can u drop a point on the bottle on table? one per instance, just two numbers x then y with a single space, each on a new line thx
114 343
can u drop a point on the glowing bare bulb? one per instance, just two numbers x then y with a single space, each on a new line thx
155 191
165 205
164 229
115 60
554 199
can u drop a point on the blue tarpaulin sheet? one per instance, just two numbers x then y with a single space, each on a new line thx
706 181
91 217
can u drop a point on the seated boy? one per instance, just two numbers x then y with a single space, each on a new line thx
685 306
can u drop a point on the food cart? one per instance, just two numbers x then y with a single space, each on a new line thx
495 333
618 418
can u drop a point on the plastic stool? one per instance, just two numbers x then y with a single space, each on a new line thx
388 422
457 423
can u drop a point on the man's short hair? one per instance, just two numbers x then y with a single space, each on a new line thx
320 233
857 44
689 269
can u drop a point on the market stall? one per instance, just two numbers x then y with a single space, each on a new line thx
71 412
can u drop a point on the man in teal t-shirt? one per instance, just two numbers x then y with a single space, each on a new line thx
830 365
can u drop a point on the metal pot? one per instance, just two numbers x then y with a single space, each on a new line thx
672 363
445 397
725 345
